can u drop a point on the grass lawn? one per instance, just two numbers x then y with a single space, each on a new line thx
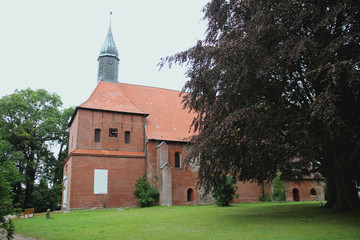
301 220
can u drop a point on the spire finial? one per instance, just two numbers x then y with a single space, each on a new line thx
110 22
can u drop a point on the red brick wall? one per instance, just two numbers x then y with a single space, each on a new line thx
248 192
73 133
91 120
181 180
304 188
123 172
122 175
152 170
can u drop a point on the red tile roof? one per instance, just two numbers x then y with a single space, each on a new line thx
166 120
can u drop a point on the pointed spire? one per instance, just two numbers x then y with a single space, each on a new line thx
109 47
110 22
108 59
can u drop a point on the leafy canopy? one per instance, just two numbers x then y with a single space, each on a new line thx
33 124
275 87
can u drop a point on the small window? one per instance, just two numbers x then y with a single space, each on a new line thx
190 194
127 137
177 160
97 135
113 132
313 192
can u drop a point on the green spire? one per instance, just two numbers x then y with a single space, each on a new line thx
108 59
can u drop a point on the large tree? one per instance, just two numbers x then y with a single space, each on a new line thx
275 85
8 175
32 122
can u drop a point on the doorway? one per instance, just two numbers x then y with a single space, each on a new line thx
296 196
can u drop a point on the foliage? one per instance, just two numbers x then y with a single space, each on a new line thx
250 221
278 189
45 197
8 174
275 87
32 123
53 165
225 193
147 195
265 198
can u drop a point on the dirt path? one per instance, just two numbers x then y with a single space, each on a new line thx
16 237
21 237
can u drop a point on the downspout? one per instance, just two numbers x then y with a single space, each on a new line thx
145 146
146 156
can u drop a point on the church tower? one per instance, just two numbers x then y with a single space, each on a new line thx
108 60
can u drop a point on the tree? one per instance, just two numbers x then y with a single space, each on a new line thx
47 194
224 194
275 87
147 195
8 175
45 197
278 189
32 123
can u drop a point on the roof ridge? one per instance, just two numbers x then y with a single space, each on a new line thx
93 93
120 84
160 88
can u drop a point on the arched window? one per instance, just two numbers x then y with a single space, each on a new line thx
313 192
190 195
296 196
177 160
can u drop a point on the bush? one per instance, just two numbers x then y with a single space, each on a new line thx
147 195
44 197
265 198
278 189
224 194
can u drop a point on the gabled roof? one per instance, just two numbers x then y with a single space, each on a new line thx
166 119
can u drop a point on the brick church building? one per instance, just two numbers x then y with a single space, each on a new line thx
124 131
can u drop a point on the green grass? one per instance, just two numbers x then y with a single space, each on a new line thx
241 221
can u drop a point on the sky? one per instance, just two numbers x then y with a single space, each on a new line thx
54 45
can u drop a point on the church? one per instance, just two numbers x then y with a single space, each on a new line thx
125 131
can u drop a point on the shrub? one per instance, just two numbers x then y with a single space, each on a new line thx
265 198
224 194
45 197
147 195
278 189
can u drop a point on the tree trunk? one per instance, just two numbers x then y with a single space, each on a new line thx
18 192
29 179
342 193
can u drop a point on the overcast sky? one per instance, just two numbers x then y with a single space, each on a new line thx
54 45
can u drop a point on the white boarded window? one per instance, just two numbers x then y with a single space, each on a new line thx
100 181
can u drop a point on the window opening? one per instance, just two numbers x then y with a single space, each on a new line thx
113 132
313 192
177 160
97 135
127 137
190 195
